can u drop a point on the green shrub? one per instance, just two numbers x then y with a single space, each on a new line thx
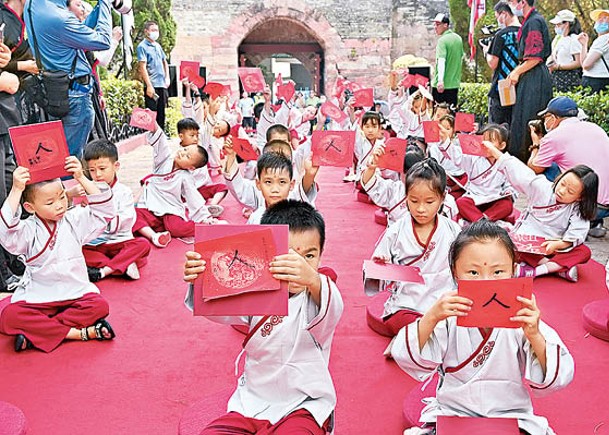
473 98
121 97
173 114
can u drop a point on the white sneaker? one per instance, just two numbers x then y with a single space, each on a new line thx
161 240
132 271
569 275
215 210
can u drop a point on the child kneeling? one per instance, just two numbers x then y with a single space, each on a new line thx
285 392
55 300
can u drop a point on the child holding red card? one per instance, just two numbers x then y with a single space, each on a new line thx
407 113
559 212
456 176
483 371
422 239
170 203
369 135
118 252
55 300
285 392
488 191
391 194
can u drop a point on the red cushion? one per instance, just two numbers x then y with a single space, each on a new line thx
413 403
12 420
4 302
363 197
596 319
202 412
374 314
380 217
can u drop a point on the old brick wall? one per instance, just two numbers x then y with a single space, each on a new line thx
359 37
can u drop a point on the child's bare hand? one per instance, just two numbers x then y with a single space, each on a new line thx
21 176
528 316
393 80
74 191
74 167
228 146
293 267
193 266
551 246
309 167
491 150
377 152
450 304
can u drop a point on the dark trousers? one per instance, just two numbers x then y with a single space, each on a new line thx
158 105
498 114
450 96
597 84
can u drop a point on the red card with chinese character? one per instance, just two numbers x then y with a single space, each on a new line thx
237 280
393 159
143 118
419 80
189 69
252 79
42 148
332 111
446 425
286 91
364 97
244 149
392 272
528 243
198 81
332 148
472 144
408 81
494 301
431 131
214 90
464 122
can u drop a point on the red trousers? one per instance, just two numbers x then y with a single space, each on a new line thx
402 318
46 325
176 226
208 192
494 211
578 255
118 256
455 189
299 422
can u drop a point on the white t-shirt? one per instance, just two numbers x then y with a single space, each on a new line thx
566 47
600 46
246 105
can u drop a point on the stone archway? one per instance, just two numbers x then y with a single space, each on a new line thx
285 36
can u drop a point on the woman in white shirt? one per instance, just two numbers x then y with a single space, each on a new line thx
595 61
565 61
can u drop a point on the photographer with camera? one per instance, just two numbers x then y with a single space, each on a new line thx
501 54
59 41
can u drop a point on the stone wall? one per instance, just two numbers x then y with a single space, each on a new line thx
359 38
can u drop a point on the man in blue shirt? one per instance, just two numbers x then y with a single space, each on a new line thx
62 39
154 72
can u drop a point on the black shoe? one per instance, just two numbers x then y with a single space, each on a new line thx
94 274
22 343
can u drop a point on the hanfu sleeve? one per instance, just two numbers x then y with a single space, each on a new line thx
523 178
322 319
559 364
15 234
91 221
385 193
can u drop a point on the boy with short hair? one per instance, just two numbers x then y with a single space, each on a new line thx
213 193
118 252
170 204
55 300
274 181
279 391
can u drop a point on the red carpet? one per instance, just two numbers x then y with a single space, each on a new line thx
163 359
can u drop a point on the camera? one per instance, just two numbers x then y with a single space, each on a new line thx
122 6
488 33
538 127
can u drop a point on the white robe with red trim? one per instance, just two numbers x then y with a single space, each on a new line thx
120 228
55 266
363 149
400 245
169 191
484 376
287 357
433 150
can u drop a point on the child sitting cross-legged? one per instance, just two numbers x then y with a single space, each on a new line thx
286 387
117 252
484 372
170 203
55 300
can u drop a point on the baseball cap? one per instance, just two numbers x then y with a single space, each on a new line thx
561 106
596 14
562 16
442 18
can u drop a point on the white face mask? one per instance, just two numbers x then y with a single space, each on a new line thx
559 30
517 12
548 129
153 35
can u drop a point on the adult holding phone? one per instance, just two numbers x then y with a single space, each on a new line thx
154 72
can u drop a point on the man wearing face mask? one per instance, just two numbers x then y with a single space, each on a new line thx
154 72
531 77
570 142
502 58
